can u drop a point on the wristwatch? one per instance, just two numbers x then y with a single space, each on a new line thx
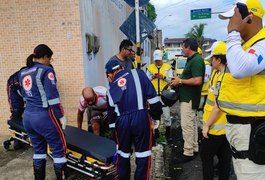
236 30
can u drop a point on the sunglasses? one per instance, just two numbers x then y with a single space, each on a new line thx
129 49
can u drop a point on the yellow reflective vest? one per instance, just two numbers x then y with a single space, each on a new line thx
218 127
134 63
159 84
205 86
243 97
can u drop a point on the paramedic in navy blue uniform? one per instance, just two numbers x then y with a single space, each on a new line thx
44 118
128 96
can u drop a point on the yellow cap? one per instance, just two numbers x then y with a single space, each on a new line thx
254 6
218 48
199 50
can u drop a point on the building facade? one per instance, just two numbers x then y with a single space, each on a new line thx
83 35
177 42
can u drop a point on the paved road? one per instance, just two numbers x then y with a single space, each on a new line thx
17 164
187 171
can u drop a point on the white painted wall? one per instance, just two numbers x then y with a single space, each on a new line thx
102 18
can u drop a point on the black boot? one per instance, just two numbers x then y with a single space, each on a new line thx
39 172
61 173
168 137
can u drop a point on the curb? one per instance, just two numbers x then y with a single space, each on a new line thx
157 164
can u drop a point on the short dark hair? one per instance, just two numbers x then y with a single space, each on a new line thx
192 43
222 57
125 44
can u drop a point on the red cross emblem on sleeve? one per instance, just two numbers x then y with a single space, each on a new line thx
122 82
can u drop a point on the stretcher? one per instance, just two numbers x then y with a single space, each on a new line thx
87 153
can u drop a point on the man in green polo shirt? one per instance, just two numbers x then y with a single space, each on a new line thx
190 84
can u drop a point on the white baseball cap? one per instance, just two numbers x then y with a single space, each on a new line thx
254 6
158 55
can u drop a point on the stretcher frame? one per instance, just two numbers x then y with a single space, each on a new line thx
77 161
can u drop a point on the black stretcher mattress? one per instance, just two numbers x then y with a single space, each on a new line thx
81 141
16 124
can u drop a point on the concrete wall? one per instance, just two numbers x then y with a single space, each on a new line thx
103 19
61 24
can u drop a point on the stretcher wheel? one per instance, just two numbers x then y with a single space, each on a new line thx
7 144
17 144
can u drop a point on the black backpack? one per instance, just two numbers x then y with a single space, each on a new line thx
257 142
15 98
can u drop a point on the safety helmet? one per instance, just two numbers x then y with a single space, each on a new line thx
169 96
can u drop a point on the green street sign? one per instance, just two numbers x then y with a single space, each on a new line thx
200 14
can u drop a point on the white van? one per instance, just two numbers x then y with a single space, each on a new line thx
172 53
180 63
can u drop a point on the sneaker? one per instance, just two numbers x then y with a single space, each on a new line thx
183 159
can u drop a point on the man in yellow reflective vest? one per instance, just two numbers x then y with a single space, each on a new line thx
134 62
205 87
160 75
214 142
206 82
242 89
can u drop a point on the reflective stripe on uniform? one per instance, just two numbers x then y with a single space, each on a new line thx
243 107
260 73
211 103
143 154
112 125
39 156
153 100
19 93
59 160
54 101
111 103
41 89
138 89
216 126
123 154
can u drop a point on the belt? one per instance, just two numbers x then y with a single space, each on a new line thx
239 154
242 120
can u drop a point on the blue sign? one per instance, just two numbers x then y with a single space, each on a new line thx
132 2
129 27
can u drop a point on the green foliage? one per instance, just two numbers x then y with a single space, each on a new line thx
196 32
151 12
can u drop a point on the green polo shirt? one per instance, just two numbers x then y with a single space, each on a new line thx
194 67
